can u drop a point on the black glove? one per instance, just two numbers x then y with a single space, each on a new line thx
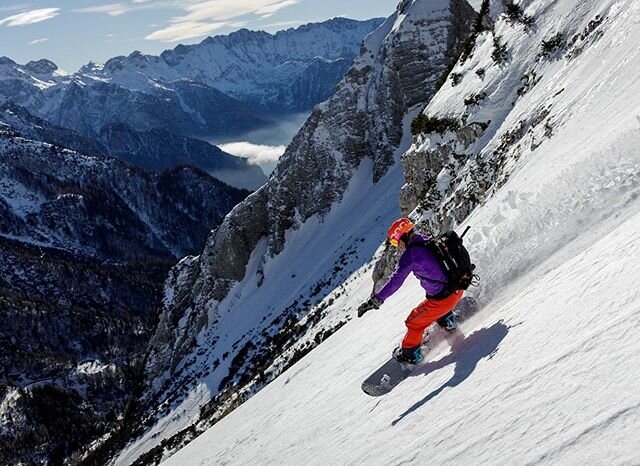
372 303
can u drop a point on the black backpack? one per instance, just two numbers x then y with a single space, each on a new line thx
454 259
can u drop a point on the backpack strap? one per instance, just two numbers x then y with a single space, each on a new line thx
433 248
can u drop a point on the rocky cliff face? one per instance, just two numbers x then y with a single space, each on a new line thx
363 119
355 134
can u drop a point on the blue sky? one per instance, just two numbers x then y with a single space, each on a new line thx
74 32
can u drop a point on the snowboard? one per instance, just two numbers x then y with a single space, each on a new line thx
392 372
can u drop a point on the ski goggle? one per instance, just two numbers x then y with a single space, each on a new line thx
393 242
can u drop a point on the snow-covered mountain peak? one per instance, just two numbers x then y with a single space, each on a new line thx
303 43
91 68
411 19
41 67
41 70
135 59
253 66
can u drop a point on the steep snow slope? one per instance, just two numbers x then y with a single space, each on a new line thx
232 311
547 376
547 371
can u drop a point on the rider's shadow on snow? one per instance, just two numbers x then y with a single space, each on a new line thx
465 353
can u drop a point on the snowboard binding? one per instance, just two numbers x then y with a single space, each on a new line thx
449 322
408 355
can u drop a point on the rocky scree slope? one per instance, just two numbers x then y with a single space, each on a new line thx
350 139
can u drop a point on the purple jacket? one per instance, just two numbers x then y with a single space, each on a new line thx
424 266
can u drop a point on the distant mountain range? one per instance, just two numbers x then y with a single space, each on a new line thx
140 108
291 70
154 149
85 244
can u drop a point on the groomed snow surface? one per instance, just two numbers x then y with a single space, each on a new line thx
547 372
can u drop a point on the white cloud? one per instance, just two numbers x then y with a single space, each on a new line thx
269 10
199 18
30 17
204 17
120 8
265 156
186 30
112 9
38 41
227 9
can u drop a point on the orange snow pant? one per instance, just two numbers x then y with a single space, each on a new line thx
427 312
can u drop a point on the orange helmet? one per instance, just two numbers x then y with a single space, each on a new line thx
399 228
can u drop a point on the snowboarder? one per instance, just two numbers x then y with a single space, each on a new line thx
440 301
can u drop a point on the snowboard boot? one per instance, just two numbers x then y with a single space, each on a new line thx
449 322
408 355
